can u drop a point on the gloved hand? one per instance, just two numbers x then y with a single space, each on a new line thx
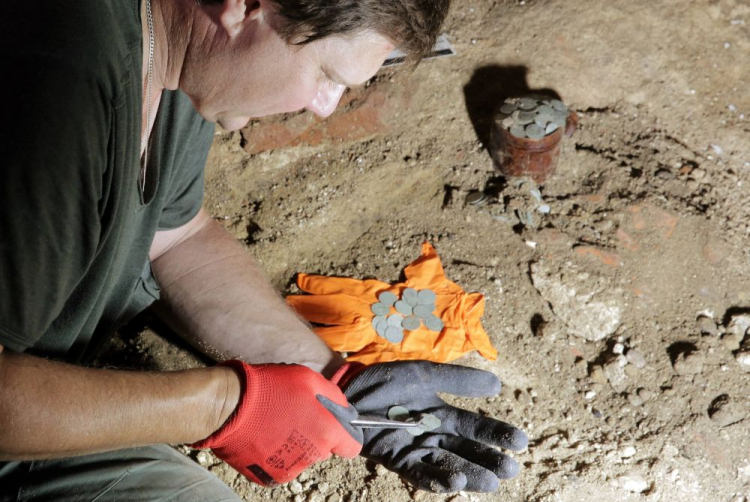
288 418
459 454
343 306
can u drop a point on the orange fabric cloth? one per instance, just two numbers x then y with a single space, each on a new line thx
343 306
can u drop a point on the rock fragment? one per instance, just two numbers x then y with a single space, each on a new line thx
726 411
614 370
636 358
587 304
688 363
707 326
743 359
739 324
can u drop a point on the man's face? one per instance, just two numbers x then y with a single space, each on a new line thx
257 73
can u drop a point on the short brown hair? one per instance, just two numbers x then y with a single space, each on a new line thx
411 25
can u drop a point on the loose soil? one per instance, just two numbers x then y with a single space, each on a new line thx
648 228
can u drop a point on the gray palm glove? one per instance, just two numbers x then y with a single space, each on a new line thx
460 453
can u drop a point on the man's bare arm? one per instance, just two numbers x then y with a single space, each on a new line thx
215 296
50 409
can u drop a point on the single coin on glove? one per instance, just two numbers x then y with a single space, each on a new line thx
461 453
288 418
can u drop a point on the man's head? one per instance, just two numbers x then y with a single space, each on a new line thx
254 58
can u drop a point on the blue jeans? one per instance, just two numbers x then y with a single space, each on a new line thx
145 474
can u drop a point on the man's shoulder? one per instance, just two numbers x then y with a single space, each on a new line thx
97 37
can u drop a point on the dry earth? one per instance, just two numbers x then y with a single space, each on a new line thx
618 316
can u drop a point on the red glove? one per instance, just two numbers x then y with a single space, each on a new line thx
288 418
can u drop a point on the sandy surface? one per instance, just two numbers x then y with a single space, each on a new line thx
648 231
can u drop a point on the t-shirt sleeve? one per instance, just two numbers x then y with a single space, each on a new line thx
192 137
53 133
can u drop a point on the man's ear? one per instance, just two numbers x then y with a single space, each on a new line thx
231 15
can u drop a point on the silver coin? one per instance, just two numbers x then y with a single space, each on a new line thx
544 209
429 422
394 334
518 131
558 105
533 131
411 323
561 120
551 127
380 309
395 320
398 413
415 431
387 298
424 310
545 110
508 108
434 323
527 103
543 119
403 307
381 327
476 198
410 296
524 118
376 320
426 297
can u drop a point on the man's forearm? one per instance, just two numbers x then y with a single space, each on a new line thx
215 296
50 409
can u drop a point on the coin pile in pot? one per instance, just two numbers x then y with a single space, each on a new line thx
425 421
532 117
412 309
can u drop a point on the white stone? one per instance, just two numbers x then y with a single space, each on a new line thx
743 359
295 486
590 394
627 452
633 483
618 348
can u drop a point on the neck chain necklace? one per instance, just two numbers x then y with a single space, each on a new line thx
149 78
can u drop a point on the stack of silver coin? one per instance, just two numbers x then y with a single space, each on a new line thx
533 117
412 309
425 421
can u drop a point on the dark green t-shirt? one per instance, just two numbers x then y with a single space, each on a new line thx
75 228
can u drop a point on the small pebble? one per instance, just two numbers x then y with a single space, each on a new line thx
726 411
590 394
627 452
645 394
202 458
597 375
707 326
618 348
635 399
633 483
743 359
636 358
731 341
295 486
688 363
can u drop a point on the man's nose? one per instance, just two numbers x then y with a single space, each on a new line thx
326 99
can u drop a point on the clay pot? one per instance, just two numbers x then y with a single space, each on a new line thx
535 158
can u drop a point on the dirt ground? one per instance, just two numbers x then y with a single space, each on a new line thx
619 316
